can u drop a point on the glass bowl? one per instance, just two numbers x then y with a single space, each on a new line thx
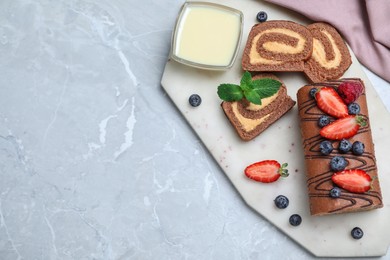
207 35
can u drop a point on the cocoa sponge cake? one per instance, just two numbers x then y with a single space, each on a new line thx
249 120
338 147
330 58
277 46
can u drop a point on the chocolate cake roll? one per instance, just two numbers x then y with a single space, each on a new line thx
249 120
277 46
320 173
330 58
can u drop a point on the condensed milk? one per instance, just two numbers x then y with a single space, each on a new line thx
207 35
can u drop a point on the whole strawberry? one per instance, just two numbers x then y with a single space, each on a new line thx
350 91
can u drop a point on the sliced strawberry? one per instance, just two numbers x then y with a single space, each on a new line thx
329 101
343 128
355 180
266 171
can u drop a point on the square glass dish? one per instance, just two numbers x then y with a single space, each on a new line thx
207 35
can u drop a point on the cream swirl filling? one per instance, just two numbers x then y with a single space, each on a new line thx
264 102
319 54
247 124
272 46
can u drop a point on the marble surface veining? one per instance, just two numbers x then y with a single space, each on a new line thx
95 160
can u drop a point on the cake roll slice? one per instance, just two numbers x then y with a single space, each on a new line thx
318 165
249 120
330 58
277 46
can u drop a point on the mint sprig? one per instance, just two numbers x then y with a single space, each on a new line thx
252 90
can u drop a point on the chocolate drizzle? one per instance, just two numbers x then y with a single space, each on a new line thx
317 165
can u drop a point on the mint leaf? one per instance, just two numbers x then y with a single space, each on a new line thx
230 92
246 82
252 90
253 97
266 87
246 79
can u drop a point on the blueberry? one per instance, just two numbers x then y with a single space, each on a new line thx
326 147
295 220
353 109
195 100
338 163
345 146
323 121
357 233
313 92
335 192
261 16
357 148
281 202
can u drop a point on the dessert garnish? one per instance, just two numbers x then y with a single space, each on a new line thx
353 180
295 220
330 102
266 171
350 91
345 127
335 192
252 90
357 233
313 92
338 163
324 120
353 109
326 147
261 16
345 146
195 100
357 148
281 202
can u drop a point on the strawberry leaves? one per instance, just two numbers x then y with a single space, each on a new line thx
252 90
283 171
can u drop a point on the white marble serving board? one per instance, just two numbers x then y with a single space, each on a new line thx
323 236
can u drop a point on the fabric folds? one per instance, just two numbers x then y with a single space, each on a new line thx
365 26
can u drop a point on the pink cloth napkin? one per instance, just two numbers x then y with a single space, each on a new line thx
365 25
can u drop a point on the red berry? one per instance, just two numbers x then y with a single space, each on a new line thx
350 91
343 128
330 102
354 180
266 171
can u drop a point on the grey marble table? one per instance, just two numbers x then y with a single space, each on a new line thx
95 160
